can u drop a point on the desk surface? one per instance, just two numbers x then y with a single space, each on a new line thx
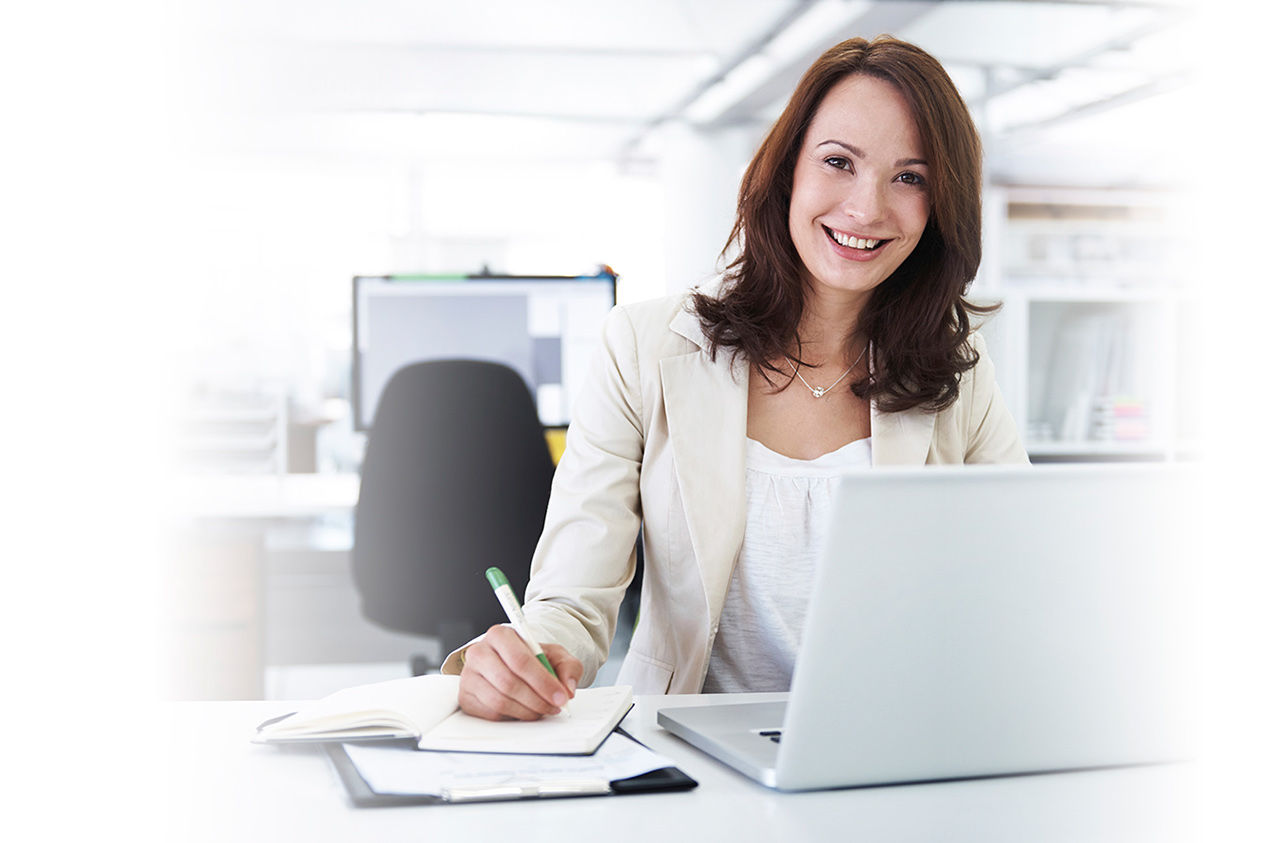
221 787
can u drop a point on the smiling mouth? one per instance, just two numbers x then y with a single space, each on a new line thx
850 242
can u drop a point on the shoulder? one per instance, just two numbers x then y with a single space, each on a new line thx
665 324
989 430
983 373
976 380
654 311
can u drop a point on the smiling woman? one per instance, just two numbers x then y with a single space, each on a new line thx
717 423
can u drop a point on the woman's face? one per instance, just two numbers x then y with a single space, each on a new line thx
860 195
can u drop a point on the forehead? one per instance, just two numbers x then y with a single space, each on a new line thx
868 112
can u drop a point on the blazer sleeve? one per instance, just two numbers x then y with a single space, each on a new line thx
585 558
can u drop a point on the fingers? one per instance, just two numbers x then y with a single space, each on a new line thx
567 667
502 679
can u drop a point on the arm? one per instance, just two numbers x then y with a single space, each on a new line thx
585 557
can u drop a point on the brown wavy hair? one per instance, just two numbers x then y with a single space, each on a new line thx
917 320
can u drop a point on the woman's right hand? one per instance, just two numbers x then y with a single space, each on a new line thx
503 680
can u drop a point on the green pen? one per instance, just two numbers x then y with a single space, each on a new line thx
511 606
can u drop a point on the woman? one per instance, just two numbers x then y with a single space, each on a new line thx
718 419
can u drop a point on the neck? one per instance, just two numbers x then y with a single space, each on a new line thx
829 325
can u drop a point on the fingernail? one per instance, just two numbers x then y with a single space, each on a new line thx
559 699
572 685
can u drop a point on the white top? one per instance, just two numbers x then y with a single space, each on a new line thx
788 501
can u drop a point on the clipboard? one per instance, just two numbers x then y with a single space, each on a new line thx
362 795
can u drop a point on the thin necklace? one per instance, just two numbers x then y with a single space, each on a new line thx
820 391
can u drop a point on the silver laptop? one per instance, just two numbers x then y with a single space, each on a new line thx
978 621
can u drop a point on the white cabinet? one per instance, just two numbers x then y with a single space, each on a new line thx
1095 341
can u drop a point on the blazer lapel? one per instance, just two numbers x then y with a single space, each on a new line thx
900 438
706 406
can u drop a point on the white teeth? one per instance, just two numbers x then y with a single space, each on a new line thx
854 242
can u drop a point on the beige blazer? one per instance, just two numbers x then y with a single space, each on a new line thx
658 442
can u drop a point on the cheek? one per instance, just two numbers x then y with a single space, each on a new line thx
916 217
797 215
810 191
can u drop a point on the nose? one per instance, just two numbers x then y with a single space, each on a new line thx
865 203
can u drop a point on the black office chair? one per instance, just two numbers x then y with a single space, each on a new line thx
456 478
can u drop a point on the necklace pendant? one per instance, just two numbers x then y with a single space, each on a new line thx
819 392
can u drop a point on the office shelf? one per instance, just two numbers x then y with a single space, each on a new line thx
1093 343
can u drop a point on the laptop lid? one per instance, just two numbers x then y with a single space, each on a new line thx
973 621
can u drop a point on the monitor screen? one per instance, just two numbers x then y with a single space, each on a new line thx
544 328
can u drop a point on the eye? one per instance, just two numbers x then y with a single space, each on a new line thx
913 179
837 161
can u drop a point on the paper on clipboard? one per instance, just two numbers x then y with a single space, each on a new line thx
403 770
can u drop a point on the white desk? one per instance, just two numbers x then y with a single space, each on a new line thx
224 788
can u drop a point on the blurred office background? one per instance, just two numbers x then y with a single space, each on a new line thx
188 188
215 176
551 138
329 140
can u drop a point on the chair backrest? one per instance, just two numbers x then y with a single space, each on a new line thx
456 478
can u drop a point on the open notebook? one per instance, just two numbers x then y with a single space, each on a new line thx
375 736
426 708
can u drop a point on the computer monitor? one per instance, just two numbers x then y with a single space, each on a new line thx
546 328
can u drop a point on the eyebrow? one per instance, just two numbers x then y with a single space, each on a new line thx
858 153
